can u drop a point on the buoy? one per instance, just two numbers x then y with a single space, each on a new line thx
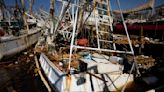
82 42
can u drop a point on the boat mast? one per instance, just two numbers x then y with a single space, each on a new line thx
31 6
101 22
73 34
2 5
52 11
24 16
50 38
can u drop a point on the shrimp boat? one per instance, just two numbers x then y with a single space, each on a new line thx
11 45
14 37
84 54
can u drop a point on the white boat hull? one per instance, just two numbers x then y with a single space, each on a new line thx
83 82
14 45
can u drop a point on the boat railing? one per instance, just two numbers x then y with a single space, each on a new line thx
54 75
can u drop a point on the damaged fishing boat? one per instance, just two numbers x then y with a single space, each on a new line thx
84 54
15 37
12 45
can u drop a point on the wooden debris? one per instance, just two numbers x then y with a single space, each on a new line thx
145 62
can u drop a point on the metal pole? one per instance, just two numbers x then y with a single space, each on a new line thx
73 37
125 27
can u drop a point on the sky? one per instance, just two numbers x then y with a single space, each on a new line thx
125 4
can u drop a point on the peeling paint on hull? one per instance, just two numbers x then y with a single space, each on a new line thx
17 44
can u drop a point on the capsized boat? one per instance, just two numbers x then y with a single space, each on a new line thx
84 54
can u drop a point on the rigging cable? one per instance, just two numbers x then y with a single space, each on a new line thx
63 15
134 64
